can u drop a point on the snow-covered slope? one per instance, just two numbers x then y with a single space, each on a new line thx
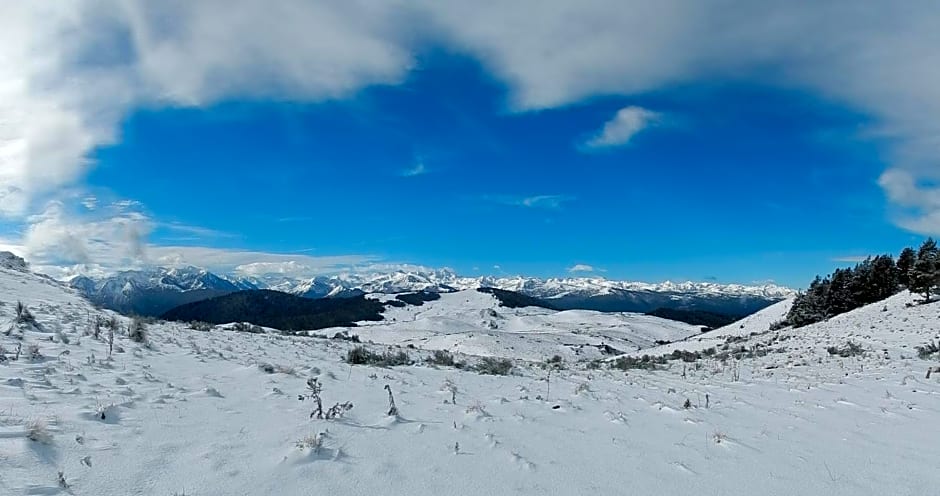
194 413
474 323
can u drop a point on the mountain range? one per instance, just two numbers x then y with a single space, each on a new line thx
154 291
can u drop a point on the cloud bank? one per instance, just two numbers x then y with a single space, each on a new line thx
71 71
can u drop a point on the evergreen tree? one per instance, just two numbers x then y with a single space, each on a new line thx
905 264
924 276
839 298
809 306
884 280
860 284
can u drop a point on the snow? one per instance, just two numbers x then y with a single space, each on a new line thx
192 278
193 413
473 323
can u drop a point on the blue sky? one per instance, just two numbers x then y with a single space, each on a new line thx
459 142
737 182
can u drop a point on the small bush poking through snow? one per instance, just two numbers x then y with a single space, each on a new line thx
392 409
849 350
556 362
926 351
38 431
338 410
312 443
362 356
200 326
644 363
246 327
23 315
494 366
137 331
441 357
33 353
780 324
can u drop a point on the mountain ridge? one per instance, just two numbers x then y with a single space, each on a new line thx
156 290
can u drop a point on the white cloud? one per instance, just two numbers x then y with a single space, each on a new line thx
552 202
71 71
418 169
581 268
58 236
850 259
194 232
253 263
623 127
65 240
919 203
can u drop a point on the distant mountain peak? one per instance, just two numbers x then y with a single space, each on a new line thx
596 293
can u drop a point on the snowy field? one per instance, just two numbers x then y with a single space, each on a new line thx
217 413
473 323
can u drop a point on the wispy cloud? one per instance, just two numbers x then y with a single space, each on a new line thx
194 232
286 220
551 202
850 259
583 268
618 131
419 169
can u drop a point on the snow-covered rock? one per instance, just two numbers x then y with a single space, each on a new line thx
13 262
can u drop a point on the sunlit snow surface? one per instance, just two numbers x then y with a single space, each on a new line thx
194 414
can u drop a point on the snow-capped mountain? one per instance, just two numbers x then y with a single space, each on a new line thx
152 291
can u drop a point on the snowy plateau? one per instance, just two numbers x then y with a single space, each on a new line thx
180 411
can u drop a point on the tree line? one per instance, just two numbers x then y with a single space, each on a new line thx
871 280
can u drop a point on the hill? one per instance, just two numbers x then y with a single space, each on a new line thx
711 320
512 299
279 310
215 411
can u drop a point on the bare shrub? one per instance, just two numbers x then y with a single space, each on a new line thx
494 366
33 352
441 357
38 431
246 327
392 409
315 388
312 443
200 326
23 315
137 331
926 351
338 410
360 355
645 362
850 349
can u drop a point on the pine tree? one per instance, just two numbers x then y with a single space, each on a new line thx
839 297
905 264
924 276
860 284
884 281
810 307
